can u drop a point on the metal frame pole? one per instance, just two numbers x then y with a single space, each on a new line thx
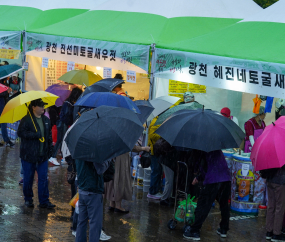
24 58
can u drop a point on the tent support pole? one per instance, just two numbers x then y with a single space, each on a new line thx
151 84
24 58
151 81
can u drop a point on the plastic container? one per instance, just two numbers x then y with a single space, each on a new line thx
262 210
140 171
147 172
146 185
135 164
140 182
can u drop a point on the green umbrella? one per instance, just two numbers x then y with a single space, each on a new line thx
169 112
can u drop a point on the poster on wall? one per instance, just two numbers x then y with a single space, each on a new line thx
131 76
227 73
10 44
107 72
177 88
56 69
115 55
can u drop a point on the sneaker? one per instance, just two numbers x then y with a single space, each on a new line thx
222 233
21 182
191 235
104 237
48 205
54 161
269 235
74 233
63 161
10 144
278 238
29 204
156 196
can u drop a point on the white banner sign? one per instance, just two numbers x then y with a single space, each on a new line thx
45 62
107 72
131 76
221 72
10 40
70 65
115 55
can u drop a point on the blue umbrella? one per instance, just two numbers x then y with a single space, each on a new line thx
97 99
9 70
104 85
145 108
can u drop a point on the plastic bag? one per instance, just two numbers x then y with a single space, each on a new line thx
181 211
77 207
74 200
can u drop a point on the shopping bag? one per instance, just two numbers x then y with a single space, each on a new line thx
74 200
181 211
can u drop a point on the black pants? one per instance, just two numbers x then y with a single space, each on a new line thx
221 192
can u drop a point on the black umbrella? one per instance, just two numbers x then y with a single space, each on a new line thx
145 108
204 130
104 133
104 85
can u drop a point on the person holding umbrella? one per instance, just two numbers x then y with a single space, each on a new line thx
118 89
36 146
253 129
65 120
213 171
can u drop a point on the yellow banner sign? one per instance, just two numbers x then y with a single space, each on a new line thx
9 54
182 87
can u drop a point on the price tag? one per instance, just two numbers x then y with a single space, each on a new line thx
107 72
70 65
131 76
45 62
244 169
26 66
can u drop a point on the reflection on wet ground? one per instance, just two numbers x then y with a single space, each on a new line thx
145 223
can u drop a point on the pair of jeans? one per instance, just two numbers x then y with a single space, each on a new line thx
155 176
29 173
5 133
61 130
221 192
90 207
275 207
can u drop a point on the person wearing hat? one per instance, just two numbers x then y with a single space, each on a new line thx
226 112
36 147
118 89
253 129
188 97
15 83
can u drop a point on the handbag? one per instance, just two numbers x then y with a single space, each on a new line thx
145 159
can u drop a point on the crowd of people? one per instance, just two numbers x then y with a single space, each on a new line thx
209 177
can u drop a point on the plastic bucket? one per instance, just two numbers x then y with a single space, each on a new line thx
146 185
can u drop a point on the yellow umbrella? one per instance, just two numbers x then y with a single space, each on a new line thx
17 107
80 77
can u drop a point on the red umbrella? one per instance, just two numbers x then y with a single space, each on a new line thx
3 88
268 151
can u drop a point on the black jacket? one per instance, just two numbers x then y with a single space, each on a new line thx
30 143
66 113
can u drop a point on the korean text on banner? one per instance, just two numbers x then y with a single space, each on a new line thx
221 72
45 62
107 72
131 76
119 56
70 65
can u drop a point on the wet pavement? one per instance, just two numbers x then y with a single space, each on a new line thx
146 222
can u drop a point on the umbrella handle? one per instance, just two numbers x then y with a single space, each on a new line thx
42 139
